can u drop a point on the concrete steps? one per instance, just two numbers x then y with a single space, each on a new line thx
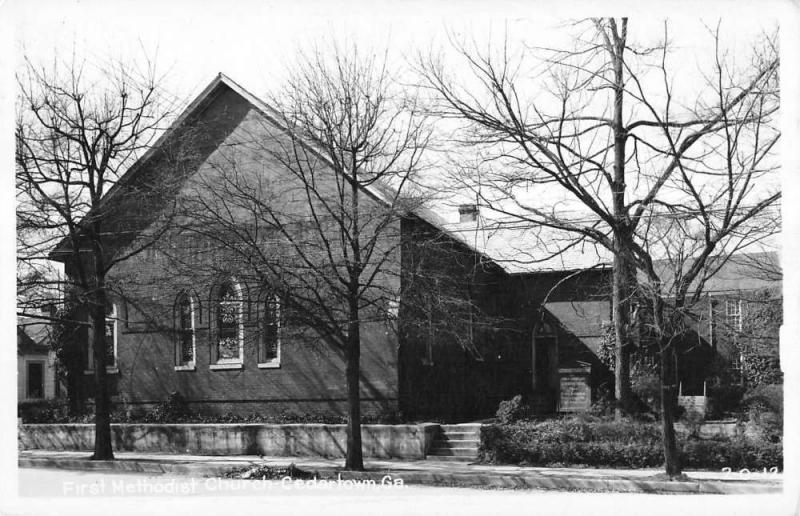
458 443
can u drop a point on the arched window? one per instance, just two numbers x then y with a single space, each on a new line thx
269 354
185 345
229 334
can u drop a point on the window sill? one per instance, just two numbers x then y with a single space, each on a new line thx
223 366
187 367
273 364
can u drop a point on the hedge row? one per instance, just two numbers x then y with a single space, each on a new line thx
175 411
620 445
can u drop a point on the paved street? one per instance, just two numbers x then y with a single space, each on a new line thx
76 490
425 472
312 463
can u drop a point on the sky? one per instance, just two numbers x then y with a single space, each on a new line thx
254 42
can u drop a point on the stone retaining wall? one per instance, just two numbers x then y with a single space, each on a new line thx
709 429
379 441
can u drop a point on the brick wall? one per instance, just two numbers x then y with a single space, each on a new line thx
145 287
577 306
455 365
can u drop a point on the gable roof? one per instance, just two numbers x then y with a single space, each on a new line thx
740 272
32 336
375 190
527 249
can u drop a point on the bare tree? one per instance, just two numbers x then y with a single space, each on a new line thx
78 128
615 148
307 202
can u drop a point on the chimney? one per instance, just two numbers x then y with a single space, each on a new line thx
467 213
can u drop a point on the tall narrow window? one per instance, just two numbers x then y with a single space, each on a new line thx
230 332
35 380
111 337
270 353
185 333
110 334
737 363
733 314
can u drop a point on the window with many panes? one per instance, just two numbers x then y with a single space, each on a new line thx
733 314
185 333
229 333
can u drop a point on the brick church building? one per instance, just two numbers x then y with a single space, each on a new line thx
480 329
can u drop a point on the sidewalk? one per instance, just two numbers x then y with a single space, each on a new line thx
427 472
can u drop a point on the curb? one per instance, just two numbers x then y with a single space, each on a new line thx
130 466
482 480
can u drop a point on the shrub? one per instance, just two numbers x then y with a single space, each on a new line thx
172 410
765 398
693 421
765 408
51 411
725 399
512 410
175 409
42 411
321 417
647 388
735 453
267 472
630 444
603 406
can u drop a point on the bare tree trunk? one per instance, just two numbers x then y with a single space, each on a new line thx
73 398
74 363
74 139
75 393
669 390
621 277
669 393
102 420
354 460
621 316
